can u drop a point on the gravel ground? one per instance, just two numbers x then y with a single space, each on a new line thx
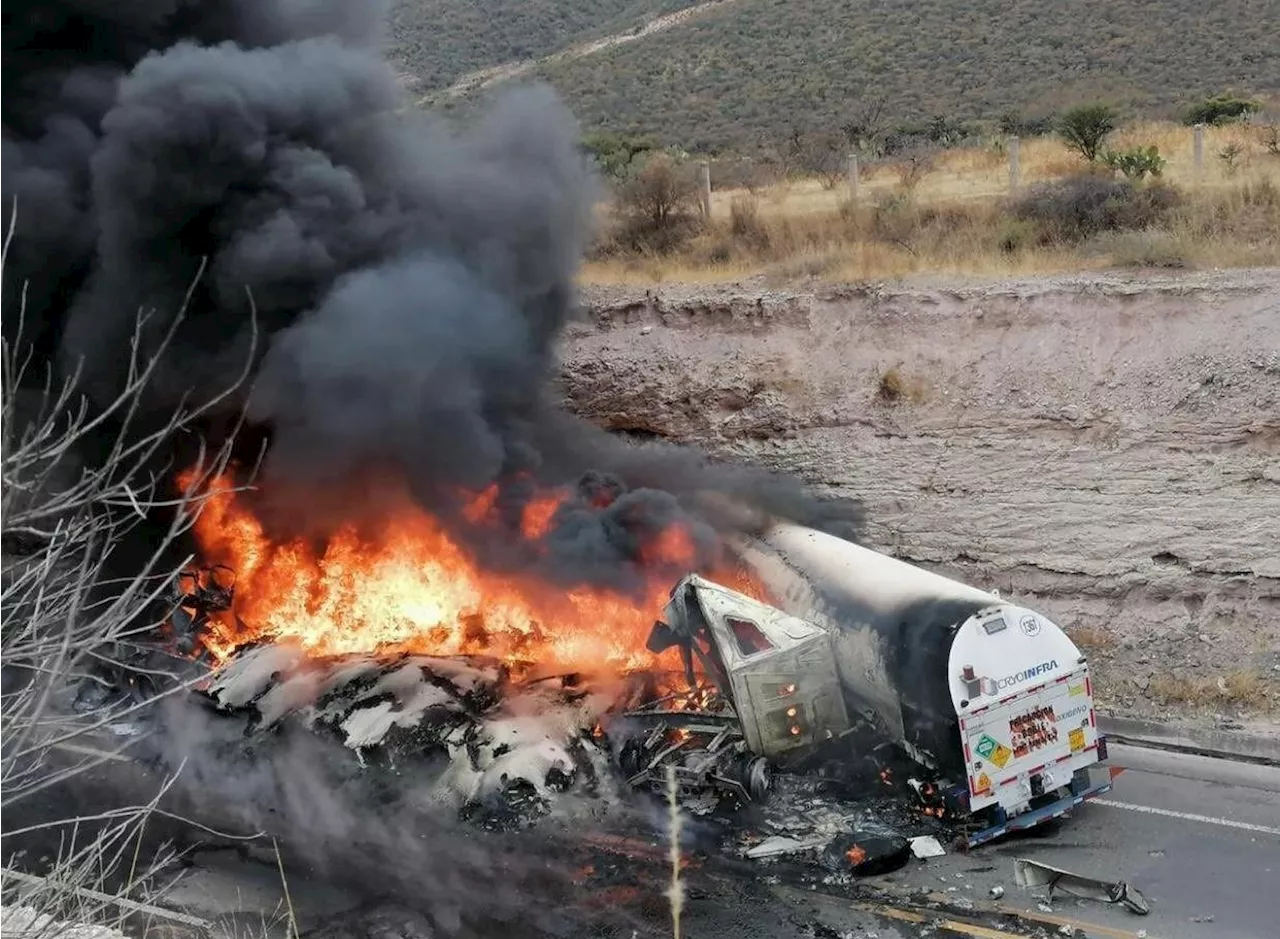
1106 447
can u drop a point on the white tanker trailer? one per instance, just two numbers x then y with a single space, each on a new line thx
993 698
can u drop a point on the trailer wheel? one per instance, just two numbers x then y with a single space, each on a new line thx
753 773
631 758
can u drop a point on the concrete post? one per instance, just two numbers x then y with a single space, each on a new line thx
1197 148
853 177
704 189
1015 164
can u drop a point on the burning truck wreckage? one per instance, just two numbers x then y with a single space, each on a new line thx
808 699
529 654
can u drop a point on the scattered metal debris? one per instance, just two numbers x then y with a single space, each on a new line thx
926 846
997 892
697 734
778 844
1035 874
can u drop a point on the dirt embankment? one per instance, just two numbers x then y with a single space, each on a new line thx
1107 448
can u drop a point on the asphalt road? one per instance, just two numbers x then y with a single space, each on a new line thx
1199 837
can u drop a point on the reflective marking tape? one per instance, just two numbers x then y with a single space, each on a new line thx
1188 816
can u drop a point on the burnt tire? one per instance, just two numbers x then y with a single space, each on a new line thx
756 778
631 758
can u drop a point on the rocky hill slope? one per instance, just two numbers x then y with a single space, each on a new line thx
741 70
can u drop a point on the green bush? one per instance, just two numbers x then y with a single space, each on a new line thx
1075 209
1135 163
1220 109
1085 128
614 156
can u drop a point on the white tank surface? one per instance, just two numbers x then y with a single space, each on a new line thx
899 632
993 697
880 583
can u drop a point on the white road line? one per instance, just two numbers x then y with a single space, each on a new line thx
1187 816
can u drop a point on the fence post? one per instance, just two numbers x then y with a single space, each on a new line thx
1197 148
1015 163
704 190
853 177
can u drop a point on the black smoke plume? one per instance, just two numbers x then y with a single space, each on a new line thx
407 278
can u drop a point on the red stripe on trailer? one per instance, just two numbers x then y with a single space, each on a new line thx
1093 721
962 723
1088 686
968 758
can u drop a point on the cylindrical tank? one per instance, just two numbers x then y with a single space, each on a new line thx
891 623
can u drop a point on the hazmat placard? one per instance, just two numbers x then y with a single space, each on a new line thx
989 748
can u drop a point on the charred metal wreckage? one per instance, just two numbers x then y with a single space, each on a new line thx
874 691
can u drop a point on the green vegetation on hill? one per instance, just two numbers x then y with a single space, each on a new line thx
439 41
754 70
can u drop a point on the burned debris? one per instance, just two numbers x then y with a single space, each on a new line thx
507 747
497 750
790 732
1037 874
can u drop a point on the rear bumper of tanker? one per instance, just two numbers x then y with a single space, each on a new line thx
1087 783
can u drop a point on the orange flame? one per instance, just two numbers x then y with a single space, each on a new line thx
856 855
408 585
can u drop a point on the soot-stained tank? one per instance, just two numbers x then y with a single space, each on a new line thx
893 627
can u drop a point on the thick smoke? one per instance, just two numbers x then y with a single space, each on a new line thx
400 284
405 279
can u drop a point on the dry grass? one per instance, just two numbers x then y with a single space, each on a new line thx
1091 638
895 387
955 221
1244 689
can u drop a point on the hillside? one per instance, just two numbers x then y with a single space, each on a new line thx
753 69
438 41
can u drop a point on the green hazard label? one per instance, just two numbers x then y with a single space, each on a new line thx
986 746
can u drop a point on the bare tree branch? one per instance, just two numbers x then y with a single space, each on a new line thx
67 512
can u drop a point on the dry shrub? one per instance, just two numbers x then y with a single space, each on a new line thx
1243 688
958 229
1247 211
1091 637
655 208
1074 210
913 167
805 265
745 224
1151 247
895 387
